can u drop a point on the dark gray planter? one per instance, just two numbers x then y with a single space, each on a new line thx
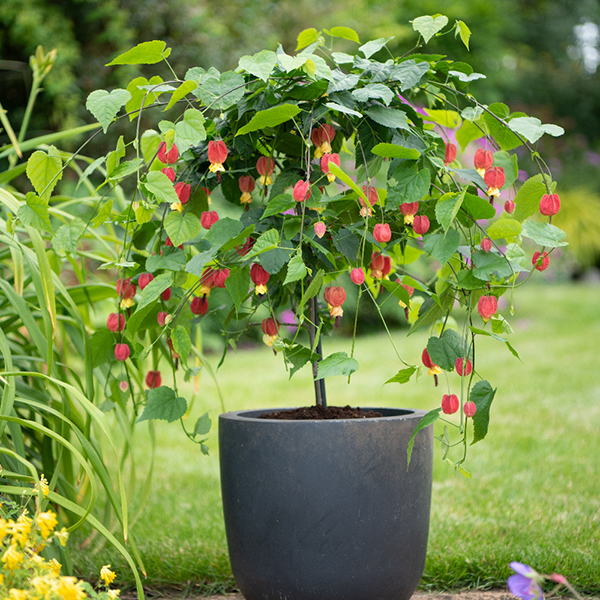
326 510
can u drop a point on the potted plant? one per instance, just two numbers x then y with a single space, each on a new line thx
334 169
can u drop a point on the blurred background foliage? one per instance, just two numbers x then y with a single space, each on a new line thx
539 56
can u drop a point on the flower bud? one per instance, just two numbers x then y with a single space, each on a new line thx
115 322
421 225
270 326
486 244
199 305
320 229
169 172
549 204
183 191
450 404
125 289
540 260
153 379
301 191
208 218
265 166
220 276
487 307
357 276
450 153
382 232
463 368
469 408
166 295
122 352
170 157
144 279
161 318
509 207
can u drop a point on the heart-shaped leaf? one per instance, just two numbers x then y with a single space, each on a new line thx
428 26
105 106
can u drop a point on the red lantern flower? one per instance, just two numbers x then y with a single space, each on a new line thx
357 276
469 408
208 218
259 277
320 229
170 157
207 280
183 191
372 199
122 352
265 166
450 153
411 291
115 322
450 404
486 244
153 379
433 368
540 260
549 204
483 161
494 178
168 242
322 138
126 291
169 172
217 154
247 185
301 191
269 327
144 279
380 265
161 318
327 158
220 276
463 368
421 224
487 307
382 233
166 295
199 305
335 298
509 207
409 210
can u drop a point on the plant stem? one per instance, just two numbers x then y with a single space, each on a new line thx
320 395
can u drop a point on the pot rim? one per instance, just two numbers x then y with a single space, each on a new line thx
397 414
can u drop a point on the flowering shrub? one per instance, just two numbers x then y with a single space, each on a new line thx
333 164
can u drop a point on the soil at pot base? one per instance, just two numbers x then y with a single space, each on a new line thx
322 412
326 509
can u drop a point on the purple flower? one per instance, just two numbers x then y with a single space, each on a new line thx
525 584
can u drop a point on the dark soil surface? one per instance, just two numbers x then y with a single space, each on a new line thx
319 413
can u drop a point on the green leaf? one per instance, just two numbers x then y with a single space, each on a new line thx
154 289
343 109
544 234
102 346
125 169
532 129
161 403
428 26
395 151
296 269
527 200
260 65
143 214
315 285
466 78
181 92
181 341
402 376
488 264
337 364
35 213
274 260
445 118
160 186
197 263
278 205
306 38
270 118
464 32
478 207
146 53
66 238
237 284
431 311
447 208
374 46
497 337
44 171
266 241
374 90
346 33
172 259
409 73
497 130
442 246
105 106
396 288
223 92
341 58
103 214
412 186
388 117
504 228
482 395
141 96
509 163
182 228
223 230
298 355
203 425
445 350
431 417
337 171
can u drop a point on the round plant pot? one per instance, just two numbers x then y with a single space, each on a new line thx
326 510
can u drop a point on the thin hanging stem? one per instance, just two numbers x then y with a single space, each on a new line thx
320 395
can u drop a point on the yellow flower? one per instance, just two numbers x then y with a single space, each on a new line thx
107 575
54 567
62 536
41 586
1 579
44 485
15 594
3 529
177 206
46 522
12 558
113 594
69 588
20 530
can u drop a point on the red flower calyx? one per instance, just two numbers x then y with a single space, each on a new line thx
450 404
382 233
265 167
421 225
259 277
170 157
217 154
540 260
494 178
463 368
270 328
247 185
199 305
122 352
486 244
320 229
208 218
153 379
335 298
487 307
325 160
469 408
409 210
433 369
144 279
357 276
115 322
301 191
549 204
322 138
483 161
450 153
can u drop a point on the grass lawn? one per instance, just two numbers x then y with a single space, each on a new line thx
535 491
